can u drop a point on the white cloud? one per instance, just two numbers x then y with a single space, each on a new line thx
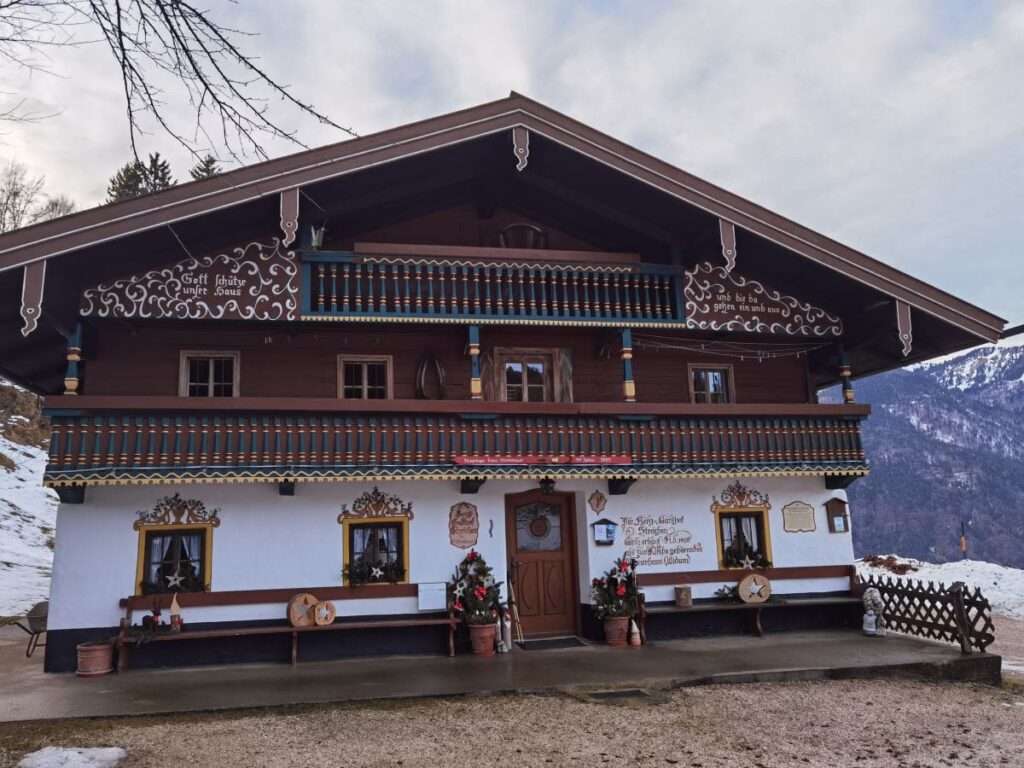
896 128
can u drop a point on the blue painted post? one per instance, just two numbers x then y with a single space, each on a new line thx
476 390
846 374
628 384
72 379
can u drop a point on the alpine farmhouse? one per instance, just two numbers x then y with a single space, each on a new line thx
338 372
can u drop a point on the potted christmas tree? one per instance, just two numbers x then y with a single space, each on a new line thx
476 597
615 600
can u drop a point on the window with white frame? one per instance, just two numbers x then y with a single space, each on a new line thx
208 374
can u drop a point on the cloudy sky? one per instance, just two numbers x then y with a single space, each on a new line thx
894 126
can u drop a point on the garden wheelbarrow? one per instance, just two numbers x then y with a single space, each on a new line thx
36 620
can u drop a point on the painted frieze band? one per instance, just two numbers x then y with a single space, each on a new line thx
720 300
257 282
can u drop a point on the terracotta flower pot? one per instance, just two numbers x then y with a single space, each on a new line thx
95 659
482 638
616 631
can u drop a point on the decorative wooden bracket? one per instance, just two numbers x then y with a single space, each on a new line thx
728 234
286 488
521 146
904 327
471 484
33 282
289 215
619 486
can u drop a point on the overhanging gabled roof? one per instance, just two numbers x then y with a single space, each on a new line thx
189 200
577 175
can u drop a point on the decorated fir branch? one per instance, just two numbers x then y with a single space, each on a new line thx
740 554
473 592
360 573
615 594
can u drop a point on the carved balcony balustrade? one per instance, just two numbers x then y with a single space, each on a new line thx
178 440
490 287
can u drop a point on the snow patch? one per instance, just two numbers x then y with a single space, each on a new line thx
28 517
74 757
1001 585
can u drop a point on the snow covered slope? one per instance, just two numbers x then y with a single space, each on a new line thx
1003 586
28 514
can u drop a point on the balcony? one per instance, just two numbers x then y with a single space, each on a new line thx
489 285
99 440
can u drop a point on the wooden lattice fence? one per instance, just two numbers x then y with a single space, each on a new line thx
955 614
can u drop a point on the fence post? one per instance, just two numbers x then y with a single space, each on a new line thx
956 595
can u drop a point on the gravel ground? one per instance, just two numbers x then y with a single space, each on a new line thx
854 723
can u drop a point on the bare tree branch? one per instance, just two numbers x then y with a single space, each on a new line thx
158 45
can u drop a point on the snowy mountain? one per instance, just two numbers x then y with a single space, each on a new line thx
946 445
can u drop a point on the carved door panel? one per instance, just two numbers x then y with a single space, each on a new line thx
540 539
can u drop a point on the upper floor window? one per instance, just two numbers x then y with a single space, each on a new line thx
526 377
367 377
711 384
208 374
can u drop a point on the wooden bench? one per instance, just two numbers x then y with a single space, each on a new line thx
754 610
128 635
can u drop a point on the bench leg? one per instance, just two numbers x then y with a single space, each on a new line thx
758 630
451 639
122 657
295 648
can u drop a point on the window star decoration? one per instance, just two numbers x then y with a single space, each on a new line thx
376 572
747 563
175 580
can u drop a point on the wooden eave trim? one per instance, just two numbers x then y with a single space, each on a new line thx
227 406
254 182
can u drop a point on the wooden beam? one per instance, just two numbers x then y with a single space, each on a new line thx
619 486
71 494
471 484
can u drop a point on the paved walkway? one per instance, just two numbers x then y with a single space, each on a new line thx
26 693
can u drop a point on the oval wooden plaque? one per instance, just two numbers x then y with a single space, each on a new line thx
754 588
323 613
300 613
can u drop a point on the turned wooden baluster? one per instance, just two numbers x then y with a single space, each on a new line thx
320 283
344 288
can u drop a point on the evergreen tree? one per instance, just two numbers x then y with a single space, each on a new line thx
135 178
205 168
158 174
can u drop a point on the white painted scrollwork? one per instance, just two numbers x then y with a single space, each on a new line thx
257 282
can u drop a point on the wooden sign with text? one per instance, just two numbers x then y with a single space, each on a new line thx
513 459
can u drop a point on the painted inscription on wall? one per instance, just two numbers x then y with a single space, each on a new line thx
798 517
658 540
258 282
717 300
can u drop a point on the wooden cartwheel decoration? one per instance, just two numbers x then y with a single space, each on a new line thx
323 613
300 610
754 588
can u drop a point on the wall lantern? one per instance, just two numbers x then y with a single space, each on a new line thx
547 486
604 532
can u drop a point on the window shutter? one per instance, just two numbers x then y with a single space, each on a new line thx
563 361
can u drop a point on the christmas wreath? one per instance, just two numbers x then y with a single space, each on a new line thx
473 592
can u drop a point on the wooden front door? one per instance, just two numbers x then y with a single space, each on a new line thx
541 534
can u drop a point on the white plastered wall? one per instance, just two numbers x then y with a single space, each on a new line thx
268 541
